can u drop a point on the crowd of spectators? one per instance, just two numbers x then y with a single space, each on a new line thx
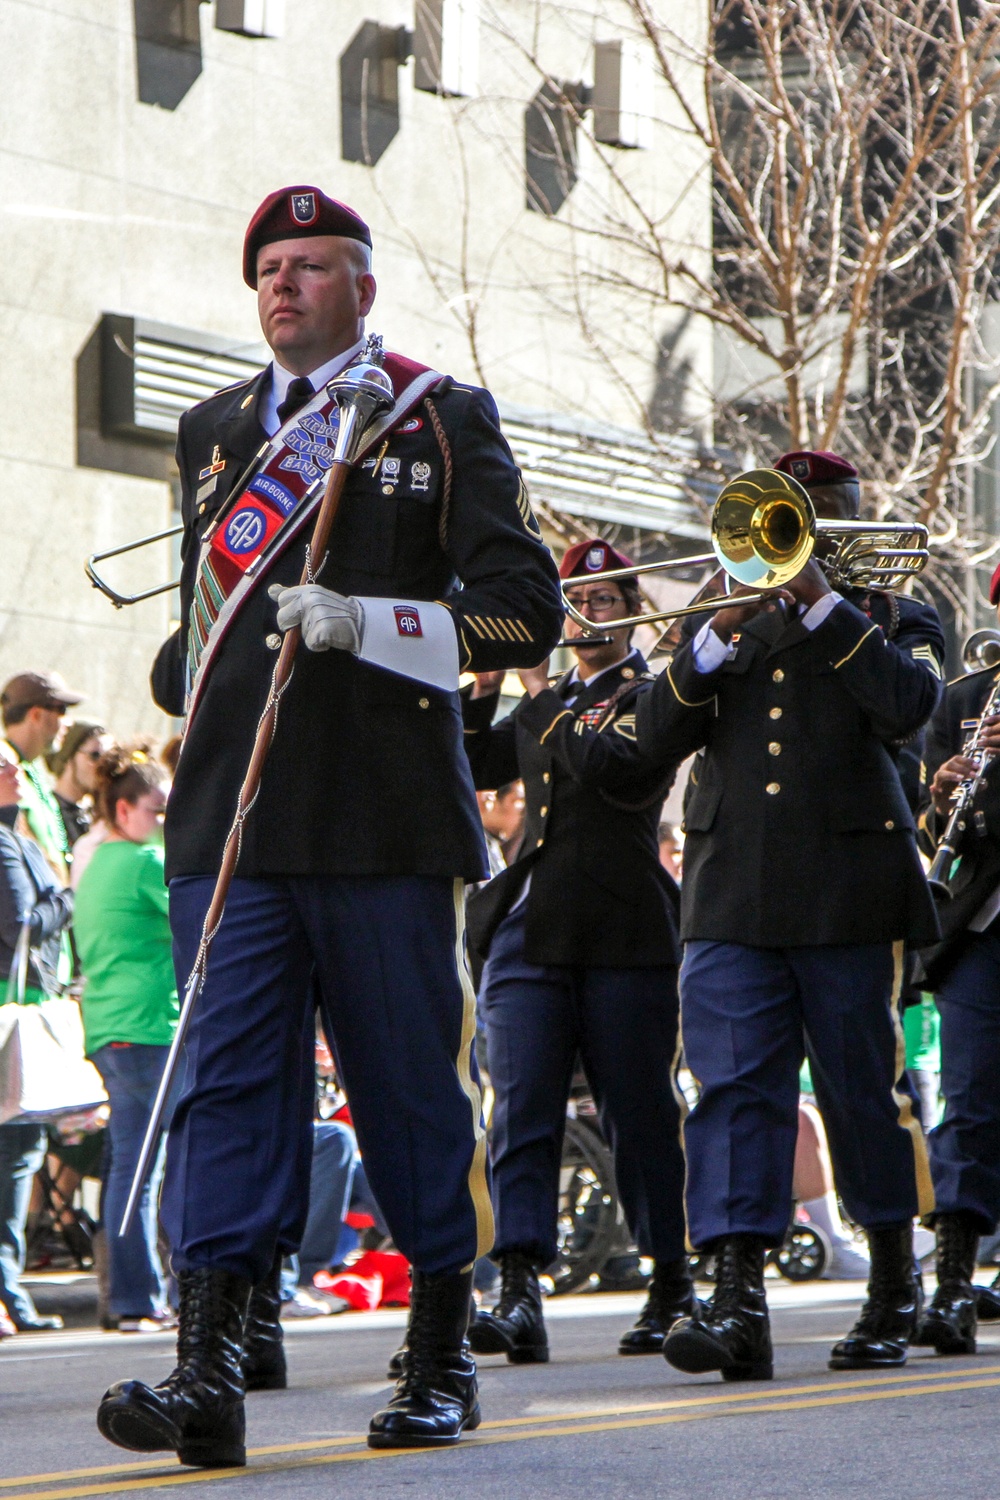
81 888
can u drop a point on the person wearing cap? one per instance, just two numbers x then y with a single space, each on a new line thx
74 766
802 882
964 972
579 936
353 861
33 705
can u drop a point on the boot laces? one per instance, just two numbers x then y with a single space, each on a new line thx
516 1271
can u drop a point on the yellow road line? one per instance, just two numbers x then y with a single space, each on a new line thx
725 1396
695 1411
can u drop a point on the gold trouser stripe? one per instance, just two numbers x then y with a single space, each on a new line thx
904 1104
855 647
698 703
478 1188
685 1110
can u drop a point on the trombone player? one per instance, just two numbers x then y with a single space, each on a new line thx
965 975
801 884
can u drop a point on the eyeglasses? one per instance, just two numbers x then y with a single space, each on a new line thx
601 602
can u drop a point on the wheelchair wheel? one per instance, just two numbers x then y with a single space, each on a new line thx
805 1254
590 1218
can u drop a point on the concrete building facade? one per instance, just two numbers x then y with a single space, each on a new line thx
137 138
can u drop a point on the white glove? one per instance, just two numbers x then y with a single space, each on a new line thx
329 621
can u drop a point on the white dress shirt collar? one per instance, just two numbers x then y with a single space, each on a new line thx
281 379
616 666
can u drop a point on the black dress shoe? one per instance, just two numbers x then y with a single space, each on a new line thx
891 1313
515 1327
734 1334
949 1324
264 1364
671 1296
197 1412
988 1301
436 1397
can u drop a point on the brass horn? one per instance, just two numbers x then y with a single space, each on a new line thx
982 649
764 531
120 600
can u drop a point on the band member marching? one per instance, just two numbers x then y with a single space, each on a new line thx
580 941
801 883
353 860
965 975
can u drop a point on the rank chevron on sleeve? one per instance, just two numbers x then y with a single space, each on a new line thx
275 504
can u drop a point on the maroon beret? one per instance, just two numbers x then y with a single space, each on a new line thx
594 556
995 586
298 213
816 468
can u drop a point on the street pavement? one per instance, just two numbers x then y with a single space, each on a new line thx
589 1424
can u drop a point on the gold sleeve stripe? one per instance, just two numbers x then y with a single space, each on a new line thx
695 703
564 715
470 621
485 624
855 647
925 654
504 625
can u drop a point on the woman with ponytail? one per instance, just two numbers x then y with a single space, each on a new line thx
129 1010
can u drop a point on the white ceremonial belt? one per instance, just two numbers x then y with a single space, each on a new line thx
416 639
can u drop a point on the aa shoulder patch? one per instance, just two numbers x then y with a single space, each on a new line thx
925 654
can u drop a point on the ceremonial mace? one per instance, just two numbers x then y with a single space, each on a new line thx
361 393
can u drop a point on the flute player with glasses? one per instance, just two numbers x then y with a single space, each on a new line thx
963 739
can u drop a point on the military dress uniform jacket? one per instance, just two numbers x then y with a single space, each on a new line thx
798 831
366 774
977 873
599 896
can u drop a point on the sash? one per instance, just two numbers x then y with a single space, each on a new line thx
282 495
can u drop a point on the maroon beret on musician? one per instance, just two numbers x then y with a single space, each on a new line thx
811 469
297 213
594 556
995 586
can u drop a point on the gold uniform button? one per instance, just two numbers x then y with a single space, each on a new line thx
777 675
889 824
424 703
201 508
775 713
272 641
539 843
774 748
546 777
543 812
772 789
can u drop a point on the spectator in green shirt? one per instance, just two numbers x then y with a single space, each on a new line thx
34 705
129 1012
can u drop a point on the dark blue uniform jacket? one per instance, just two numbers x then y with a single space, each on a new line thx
367 774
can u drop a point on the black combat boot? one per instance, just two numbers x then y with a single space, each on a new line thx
988 1301
891 1312
264 1366
436 1397
670 1296
733 1335
515 1327
949 1324
198 1410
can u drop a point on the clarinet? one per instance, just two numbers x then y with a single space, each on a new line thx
940 873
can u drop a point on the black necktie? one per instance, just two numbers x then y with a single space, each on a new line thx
573 690
299 392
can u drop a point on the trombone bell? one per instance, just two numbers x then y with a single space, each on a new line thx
120 600
982 649
763 528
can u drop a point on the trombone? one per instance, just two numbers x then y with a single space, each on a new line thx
764 531
982 649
